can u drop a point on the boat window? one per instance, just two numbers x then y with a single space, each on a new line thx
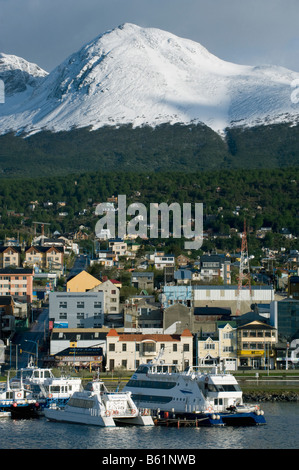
142 370
228 388
150 384
80 403
55 389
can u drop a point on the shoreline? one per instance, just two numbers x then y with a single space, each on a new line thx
264 396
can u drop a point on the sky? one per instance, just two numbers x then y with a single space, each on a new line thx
249 32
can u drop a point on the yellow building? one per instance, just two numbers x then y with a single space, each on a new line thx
82 282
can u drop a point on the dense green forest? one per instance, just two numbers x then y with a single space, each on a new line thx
265 198
165 148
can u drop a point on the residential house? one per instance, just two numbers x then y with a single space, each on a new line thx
111 296
183 276
128 351
208 351
227 345
143 314
82 282
10 256
162 261
118 246
182 260
214 267
45 257
143 281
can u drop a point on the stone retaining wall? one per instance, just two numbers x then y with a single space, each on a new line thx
270 396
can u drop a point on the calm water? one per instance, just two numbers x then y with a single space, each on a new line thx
280 432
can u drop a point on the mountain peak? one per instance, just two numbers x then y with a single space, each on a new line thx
146 76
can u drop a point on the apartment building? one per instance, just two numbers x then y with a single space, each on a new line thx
17 282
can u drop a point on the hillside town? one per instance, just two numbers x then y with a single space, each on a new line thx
128 302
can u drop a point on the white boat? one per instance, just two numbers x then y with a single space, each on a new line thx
17 402
44 386
209 396
95 405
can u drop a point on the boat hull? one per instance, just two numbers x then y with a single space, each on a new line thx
96 420
250 418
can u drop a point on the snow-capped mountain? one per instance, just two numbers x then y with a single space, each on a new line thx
143 76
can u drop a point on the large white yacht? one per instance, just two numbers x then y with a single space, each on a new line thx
209 396
95 405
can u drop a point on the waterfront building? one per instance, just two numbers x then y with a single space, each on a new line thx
129 350
256 342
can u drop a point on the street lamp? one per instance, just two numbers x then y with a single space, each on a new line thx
36 343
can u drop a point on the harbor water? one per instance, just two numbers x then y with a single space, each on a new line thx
281 431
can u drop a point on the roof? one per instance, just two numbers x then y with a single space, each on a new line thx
139 337
16 271
6 299
212 311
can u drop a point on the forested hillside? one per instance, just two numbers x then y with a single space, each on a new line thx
266 198
167 147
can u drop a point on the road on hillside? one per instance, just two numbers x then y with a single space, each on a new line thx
26 345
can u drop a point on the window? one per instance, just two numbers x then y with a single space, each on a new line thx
124 363
62 315
62 304
124 346
149 347
98 305
111 347
80 315
80 304
186 347
174 347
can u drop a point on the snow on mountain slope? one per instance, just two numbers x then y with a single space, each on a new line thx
149 76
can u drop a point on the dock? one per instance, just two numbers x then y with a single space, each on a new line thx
181 422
